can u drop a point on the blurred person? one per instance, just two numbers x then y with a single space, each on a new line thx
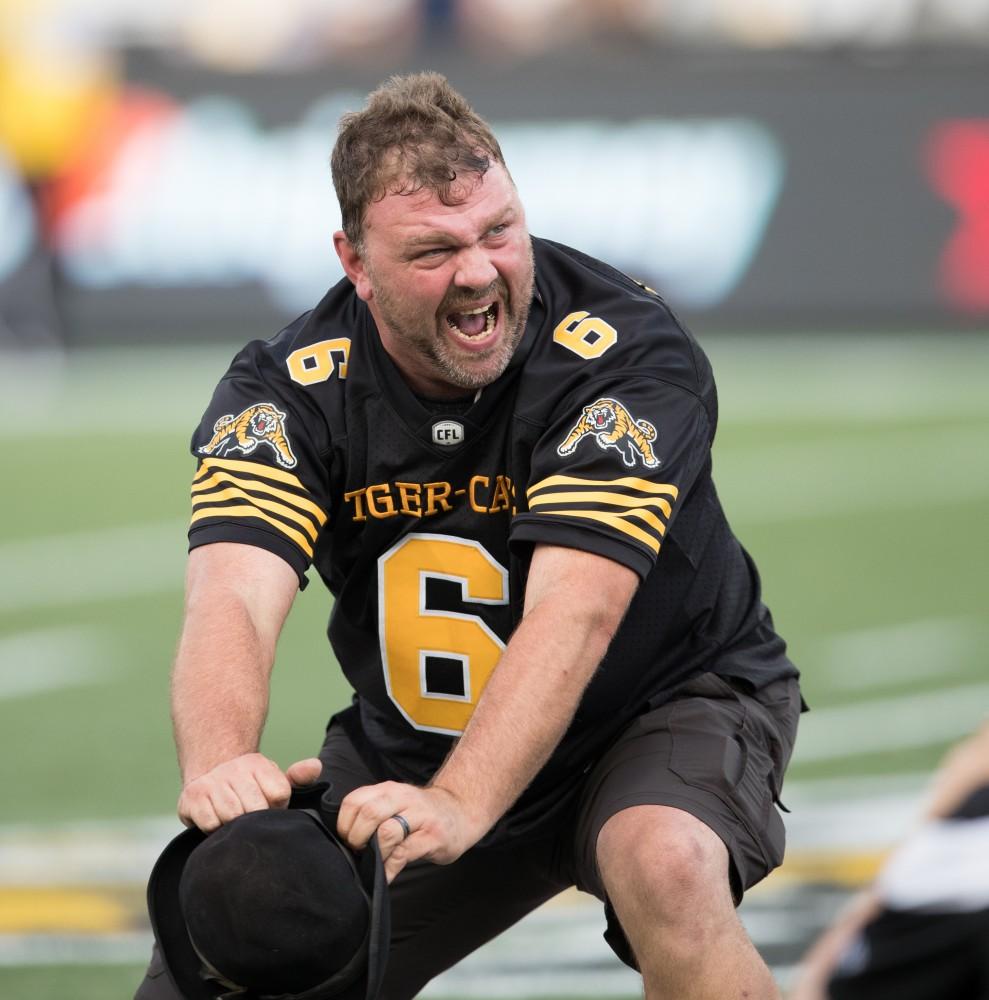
507 28
496 452
921 931
297 34
53 89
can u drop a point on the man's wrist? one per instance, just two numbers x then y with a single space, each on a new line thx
475 818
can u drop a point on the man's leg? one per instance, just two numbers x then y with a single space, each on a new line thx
676 820
666 875
441 913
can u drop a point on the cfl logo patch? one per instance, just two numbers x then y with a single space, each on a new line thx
448 433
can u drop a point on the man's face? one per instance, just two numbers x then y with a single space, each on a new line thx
449 286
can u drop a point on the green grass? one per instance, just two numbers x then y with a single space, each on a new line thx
90 459
78 982
855 472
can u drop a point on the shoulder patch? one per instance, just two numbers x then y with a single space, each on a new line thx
262 423
610 424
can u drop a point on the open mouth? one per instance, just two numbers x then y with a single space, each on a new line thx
474 324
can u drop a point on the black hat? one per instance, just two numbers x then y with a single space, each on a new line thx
272 906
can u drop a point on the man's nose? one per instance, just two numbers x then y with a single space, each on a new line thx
474 268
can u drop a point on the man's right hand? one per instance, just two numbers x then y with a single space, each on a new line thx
244 784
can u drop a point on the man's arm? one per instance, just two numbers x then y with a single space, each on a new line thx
574 603
237 599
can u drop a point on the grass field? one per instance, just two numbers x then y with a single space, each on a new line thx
856 470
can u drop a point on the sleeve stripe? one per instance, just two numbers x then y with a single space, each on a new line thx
643 485
221 478
254 468
242 511
233 493
617 499
615 521
643 515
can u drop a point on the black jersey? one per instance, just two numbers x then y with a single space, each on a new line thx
421 517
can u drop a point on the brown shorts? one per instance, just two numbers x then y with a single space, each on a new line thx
717 751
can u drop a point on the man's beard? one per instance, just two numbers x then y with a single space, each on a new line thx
465 371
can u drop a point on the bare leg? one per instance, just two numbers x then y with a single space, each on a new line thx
666 874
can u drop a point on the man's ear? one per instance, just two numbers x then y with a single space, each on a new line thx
353 265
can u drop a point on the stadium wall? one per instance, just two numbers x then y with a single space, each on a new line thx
757 192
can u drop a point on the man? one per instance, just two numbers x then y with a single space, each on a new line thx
496 453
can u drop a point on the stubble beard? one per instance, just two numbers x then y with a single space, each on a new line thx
462 371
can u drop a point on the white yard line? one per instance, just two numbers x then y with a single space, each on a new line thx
82 567
899 654
891 470
44 660
884 724
75 949
83 853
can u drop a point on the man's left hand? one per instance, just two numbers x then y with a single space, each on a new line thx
439 829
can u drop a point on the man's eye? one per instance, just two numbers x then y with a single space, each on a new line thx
498 230
434 252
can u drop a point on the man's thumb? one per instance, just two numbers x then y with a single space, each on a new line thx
304 772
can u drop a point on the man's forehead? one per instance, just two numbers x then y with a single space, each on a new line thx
475 197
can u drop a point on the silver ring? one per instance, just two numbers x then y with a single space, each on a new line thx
404 824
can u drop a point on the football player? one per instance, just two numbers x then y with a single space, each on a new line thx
495 452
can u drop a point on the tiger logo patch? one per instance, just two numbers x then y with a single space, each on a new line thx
612 426
260 424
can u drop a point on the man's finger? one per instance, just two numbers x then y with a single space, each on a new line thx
251 796
305 772
391 833
414 847
364 809
225 802
274 785
199 813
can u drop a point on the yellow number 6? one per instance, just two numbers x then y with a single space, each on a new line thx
586 335
313 364
411 633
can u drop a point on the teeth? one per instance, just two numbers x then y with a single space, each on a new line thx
489 320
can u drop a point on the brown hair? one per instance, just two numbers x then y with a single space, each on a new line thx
414 132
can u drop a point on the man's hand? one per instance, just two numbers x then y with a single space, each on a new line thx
244 784
439 829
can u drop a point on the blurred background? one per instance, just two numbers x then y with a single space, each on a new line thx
805 181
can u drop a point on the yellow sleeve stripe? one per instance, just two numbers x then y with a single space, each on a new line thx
668 489
232 493
643 515
617 499
618 521
225 512
221 478
254 468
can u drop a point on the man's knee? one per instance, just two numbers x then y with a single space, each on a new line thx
663 859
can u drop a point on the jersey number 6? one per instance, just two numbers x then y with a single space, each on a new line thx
436 663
